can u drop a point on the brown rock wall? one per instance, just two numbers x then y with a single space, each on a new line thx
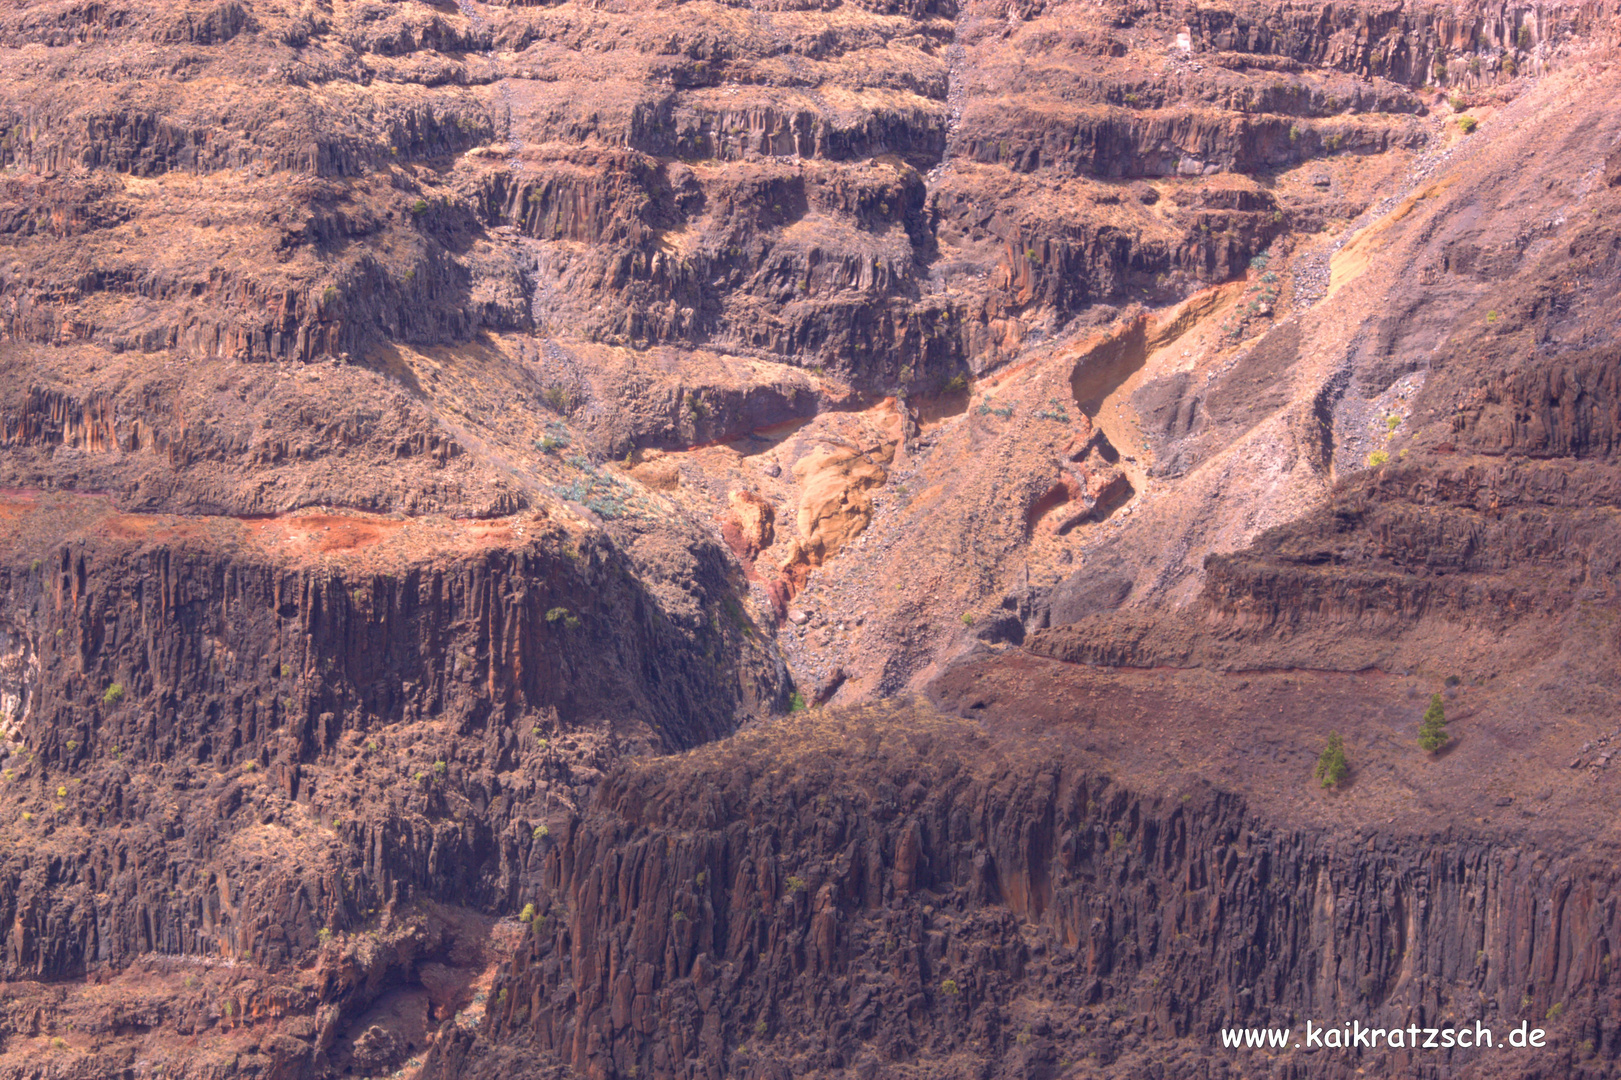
893 891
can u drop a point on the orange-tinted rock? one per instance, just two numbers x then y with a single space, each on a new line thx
749 525
835 503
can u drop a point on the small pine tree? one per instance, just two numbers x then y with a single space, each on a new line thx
1432 732
1332 767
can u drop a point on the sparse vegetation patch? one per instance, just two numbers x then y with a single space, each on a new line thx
1432 730
1332 767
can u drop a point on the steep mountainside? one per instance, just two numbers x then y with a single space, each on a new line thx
442 443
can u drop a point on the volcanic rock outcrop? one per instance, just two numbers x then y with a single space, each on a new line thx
444 446
899 886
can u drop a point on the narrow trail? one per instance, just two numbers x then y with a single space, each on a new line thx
954 103
537 278
936 280
503 92
554 365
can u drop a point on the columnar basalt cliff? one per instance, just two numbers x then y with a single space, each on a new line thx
899 886
156 649
229 739
777 540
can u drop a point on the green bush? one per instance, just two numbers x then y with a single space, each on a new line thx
1377 458
1432 730
1467 124
561 614
419 207
1523 39
528 913
796 884
1332 767
114 694
949 986
796 702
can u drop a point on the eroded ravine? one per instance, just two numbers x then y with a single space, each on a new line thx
662 385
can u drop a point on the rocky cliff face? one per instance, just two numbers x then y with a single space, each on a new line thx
900 887
442 441
712 208
230 740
